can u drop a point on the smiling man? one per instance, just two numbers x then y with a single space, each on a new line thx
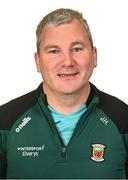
84 131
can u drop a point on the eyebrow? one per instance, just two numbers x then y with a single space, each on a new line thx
50 46
76 43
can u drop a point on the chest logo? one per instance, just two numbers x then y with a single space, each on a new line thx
30 151
24 123
98 152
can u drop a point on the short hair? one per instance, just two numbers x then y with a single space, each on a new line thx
58 17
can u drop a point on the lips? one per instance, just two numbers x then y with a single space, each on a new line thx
67 75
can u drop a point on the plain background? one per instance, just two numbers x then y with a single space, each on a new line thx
109 26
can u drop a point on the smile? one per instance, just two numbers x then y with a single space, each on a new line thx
68 75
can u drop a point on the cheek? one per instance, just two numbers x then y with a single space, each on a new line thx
86 67
47 68
83 60
85 64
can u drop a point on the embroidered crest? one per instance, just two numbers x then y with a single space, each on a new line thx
98 152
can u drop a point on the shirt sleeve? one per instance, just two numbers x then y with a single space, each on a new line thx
3 162
126 146
2 167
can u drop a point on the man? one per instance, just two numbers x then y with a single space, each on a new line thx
67 128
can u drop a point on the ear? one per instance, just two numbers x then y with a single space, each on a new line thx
95 56
37 61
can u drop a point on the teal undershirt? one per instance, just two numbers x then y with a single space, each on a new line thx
66 123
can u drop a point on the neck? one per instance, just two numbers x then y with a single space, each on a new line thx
67 103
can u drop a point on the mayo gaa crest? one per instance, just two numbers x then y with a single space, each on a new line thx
98 152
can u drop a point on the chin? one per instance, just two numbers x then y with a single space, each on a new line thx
70 91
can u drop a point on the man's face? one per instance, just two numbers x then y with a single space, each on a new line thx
66 59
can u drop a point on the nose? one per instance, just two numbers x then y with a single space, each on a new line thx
68 59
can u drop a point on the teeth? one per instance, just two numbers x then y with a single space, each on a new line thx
67 75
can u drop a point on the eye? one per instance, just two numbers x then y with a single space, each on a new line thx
77 49
54 51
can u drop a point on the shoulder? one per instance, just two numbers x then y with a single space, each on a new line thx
10 111
116 109
113 101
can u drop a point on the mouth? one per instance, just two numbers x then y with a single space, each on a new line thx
68 75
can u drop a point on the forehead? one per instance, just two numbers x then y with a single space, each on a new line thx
74 28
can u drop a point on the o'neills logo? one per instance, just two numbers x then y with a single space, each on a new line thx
24 122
